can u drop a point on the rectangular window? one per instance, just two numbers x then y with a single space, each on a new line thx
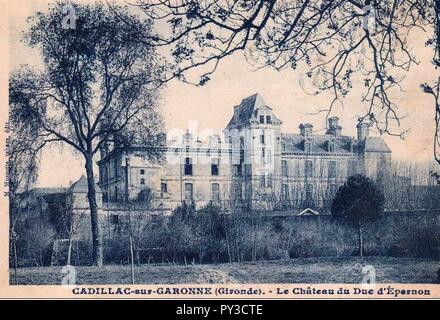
269 180
309 192
261 119
215 192
284 168
142 181
188 191
237 170
309 169
215 167
188 167
238 192
115 219
284 192
332 169
142 171
352 168
307 147
262 138
263 180
333 189
269 156
163 189
268 119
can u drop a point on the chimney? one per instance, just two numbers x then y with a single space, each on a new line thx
306 129
363 130
333 127
187 139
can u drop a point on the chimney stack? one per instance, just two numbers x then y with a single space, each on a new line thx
306 129
363 131
333 127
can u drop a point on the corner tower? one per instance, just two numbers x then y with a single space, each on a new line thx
256 131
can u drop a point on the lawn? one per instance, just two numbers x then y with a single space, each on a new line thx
313 270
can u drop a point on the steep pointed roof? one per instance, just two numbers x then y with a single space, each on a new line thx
244 112
80 186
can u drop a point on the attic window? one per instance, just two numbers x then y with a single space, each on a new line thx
268 119
261 119
307 146
330 146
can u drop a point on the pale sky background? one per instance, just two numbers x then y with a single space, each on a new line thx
211 106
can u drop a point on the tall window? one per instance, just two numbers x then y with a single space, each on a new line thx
163 189
269 180
238 194
263 180
215 192
262 137
261 119
333 189
188 167
188 191
309 169
284 192
332 169
309 192
352 168
142 181
237 170
214 167
284 168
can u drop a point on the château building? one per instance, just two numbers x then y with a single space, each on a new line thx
254 163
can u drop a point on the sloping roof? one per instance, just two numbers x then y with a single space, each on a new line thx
245 110
45 191
294 143
308 211
375 144
80 186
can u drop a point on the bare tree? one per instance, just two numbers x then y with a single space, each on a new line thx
340 43
95 85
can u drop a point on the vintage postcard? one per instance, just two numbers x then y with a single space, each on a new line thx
203 149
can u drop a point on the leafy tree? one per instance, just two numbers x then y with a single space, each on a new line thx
95 85
358 201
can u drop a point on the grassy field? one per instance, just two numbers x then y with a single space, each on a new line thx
313 270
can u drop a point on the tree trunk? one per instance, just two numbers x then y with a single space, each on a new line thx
91 195
360 240
69 252
15 261
131 259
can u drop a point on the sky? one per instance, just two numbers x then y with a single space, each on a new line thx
211 106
